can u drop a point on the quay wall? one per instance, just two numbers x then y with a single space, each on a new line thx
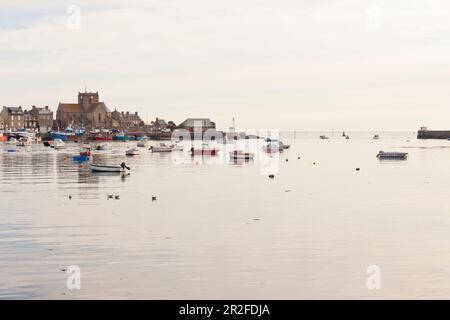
433 134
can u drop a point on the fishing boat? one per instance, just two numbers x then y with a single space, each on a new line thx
347 137
103 138
132 152
392 155
205 150
280 144
57 144
241 155
63 136
121 137
323 137
162 147
104 168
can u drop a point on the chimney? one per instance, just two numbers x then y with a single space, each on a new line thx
34 107
46 107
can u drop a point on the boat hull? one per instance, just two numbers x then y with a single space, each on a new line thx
99 168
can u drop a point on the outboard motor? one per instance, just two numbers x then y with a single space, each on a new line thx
124 166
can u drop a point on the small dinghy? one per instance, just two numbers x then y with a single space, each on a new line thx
376 137
392 155
143 143
102 147
132 152
103 168
323 137
241 155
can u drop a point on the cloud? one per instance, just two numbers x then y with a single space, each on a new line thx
175 58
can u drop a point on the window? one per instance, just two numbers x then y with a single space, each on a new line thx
99 117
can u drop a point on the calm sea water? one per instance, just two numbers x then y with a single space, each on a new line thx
221 230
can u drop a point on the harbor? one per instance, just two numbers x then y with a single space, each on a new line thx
147 233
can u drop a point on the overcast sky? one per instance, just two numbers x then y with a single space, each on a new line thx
309 65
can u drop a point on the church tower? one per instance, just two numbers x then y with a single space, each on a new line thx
86 99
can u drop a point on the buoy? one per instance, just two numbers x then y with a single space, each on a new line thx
70 197
357 169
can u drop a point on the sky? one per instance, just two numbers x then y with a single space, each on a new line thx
275 64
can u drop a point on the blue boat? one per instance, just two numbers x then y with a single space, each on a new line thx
81 158
59 135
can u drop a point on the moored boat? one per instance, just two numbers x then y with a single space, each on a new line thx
132 152
392 155
63 136
121 137
102 146
205 150
323 137
143 143
162 147
376 137
105 168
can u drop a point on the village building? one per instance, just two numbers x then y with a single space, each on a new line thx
29 121
43 117
158 125
2 124
13 118
127 119
194 124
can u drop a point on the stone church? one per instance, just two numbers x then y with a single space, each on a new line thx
90 113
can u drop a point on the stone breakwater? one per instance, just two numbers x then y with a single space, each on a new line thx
433 134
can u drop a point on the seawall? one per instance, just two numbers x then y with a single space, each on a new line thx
433 134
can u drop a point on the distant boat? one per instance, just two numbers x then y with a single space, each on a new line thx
132 152
392 155
142 143
323 137
121 137
162 147
80 158
24 142
205 150
63 136
376 137
347 137
3 138
241 155
102 147
103 168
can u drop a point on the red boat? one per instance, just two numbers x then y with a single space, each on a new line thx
102 138
204 151
3 138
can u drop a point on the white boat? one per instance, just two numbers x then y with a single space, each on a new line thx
58 144
392 155
142 143
104 168
24 142
132 152
177 146
241 155
162 147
